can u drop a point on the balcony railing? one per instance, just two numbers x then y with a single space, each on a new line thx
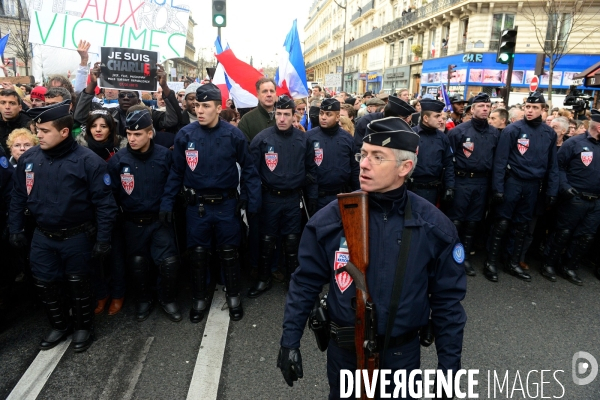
337 30
425 11
321 59
494 44
364 39
311 48
461 47
324 40
362 10
444 51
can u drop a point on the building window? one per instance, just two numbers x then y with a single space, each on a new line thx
392 53
434 49
500 22
401 52
557 32
464 32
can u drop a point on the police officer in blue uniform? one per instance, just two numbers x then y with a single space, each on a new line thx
473 144
204 164
525 156
67 190
434 280
578 216
283 157
334 156
139 174
435 168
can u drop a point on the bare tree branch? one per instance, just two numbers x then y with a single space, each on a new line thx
18 42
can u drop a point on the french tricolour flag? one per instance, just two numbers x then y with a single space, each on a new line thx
291 75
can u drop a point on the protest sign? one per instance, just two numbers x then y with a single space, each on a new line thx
155 25
128 69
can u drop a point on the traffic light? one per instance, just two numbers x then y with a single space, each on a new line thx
219 13
506 50
451 71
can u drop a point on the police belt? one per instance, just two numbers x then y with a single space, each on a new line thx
141 219
208 196
334 192
425 185
279 192
589 196
467 174
66 233
343 337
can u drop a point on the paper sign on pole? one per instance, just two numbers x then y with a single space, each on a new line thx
154 25
333 80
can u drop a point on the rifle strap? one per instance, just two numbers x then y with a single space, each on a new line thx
398 276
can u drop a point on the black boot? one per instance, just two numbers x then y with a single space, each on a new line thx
490 271
556 247
467 242
168 294
264 283
569 271
290 248
231 265
199 258
514 268
51 295
140 274
83 312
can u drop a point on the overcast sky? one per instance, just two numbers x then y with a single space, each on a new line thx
255 28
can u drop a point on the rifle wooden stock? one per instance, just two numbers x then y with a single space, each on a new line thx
354 209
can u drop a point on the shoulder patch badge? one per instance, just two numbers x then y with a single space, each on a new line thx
106 179
458 253
3 162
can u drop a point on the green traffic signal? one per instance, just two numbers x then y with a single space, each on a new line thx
219 13
504 57
219 20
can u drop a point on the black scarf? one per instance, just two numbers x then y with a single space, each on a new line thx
480 125
426 129
287 132
139 155
64 147
331 131
386 200
534 122
105 149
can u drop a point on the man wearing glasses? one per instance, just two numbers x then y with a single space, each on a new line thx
434 278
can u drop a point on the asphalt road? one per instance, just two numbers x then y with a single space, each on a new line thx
513 327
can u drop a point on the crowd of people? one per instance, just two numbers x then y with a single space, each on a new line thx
111 195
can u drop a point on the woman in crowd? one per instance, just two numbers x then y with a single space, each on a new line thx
347 125
296 124
229 115
19 141
100 135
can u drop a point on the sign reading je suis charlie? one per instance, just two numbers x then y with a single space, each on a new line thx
128 69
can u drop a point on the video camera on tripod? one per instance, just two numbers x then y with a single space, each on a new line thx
578 101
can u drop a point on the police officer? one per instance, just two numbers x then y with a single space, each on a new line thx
395 107
360 129
139 174
65 187
473 144
578 216
283 157
334 149
387 160
525 155
204 163
458 105
435 168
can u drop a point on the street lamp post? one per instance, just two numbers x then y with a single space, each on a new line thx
343 42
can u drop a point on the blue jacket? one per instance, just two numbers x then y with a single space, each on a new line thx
433 281
291 156
138 184
65 191
530 154
338 166
579 164
434 156
473 150
361 127
206 158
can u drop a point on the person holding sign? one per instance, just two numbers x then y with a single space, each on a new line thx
204 164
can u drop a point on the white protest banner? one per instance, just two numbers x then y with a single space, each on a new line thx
155 25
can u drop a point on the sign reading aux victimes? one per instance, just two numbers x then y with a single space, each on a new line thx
155 25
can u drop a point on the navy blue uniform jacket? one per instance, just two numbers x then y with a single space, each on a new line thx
216 152
579 164
473 150
435 156
529 152
431 270
361 127
67 191
295 159
138 184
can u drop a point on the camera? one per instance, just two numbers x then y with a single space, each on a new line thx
577 100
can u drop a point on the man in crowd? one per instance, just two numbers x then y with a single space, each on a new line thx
498 119
458 108
262 116
11 115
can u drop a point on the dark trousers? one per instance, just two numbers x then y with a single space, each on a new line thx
470 196
114 283
218 219
280 215
520 199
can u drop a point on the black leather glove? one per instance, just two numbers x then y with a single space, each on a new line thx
100 250
165 216
498 198
290 364
241 205
312 207
18 240
572 192
550 201
448 195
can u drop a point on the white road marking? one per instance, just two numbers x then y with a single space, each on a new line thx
137 370
117 370
207 372
33 380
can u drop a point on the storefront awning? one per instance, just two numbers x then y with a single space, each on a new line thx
589 77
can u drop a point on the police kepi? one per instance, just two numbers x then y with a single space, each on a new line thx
69 222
